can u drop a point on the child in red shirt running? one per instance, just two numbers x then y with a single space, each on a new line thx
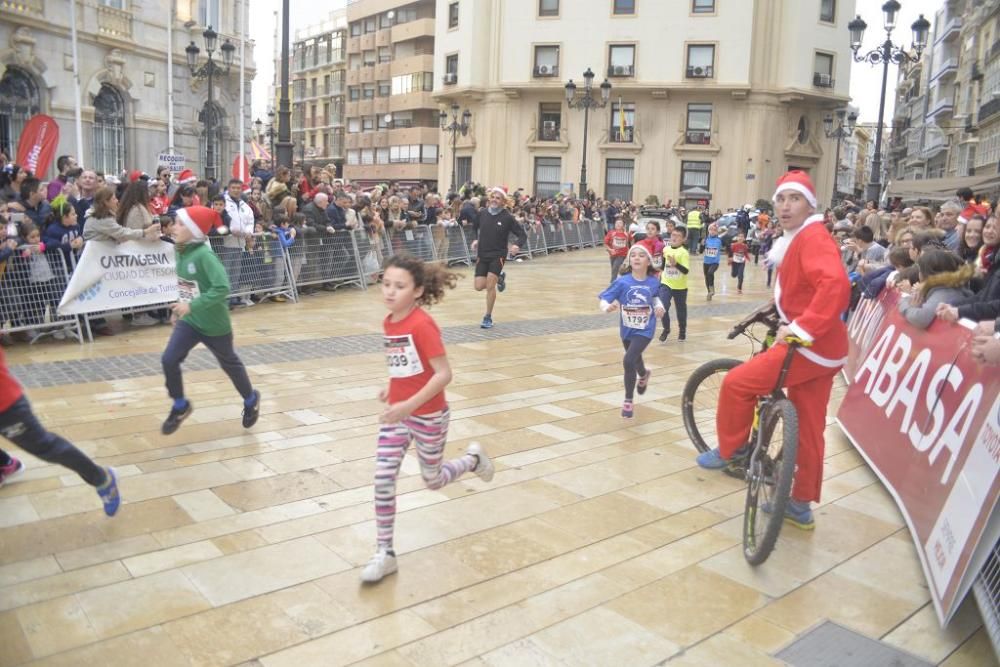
416 408
19 425
617 242
738 252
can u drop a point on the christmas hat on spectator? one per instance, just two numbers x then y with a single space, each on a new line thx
797 181
200 220
499 189
186 176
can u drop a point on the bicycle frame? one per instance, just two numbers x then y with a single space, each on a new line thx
762 402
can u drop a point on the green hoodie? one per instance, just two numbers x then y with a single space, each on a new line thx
203 283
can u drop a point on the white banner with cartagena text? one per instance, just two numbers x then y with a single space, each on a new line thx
113 276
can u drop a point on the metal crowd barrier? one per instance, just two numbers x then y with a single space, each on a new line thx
257 267
571 232
536 241
31 286
331 260
457 251
552 233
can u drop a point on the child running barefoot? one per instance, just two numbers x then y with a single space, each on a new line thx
710 263
416 408
636 295
201 315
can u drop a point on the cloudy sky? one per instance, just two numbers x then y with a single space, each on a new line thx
866 80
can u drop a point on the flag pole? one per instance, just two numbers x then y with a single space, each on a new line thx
242 153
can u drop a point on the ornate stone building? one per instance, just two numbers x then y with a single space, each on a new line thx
122 54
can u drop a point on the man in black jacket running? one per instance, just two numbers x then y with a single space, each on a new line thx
492 227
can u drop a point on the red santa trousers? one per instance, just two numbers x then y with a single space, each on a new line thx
808 385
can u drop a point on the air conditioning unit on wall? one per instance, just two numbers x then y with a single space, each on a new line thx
450 78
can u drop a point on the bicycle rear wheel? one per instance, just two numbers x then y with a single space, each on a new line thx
770 471
700 401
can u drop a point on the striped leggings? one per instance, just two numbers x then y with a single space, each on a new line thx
430 433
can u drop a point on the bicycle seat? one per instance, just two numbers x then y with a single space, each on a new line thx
766 315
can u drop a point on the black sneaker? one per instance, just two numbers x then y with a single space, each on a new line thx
174 419
502 281
664 334
252 413
736 466
683 337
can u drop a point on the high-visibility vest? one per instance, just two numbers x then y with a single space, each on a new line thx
694 219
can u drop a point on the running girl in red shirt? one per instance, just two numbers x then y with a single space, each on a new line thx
617 242
416 408
738 253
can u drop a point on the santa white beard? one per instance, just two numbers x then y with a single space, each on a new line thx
778 249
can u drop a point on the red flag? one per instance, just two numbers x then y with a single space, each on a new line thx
38 143
245 177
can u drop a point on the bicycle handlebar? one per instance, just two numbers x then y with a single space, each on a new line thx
766 314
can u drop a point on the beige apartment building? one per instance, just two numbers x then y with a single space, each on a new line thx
319 72
711 100
392 117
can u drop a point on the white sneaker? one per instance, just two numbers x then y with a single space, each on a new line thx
381 564
484 469
144 320
248 302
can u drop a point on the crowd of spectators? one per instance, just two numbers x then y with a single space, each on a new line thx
943 261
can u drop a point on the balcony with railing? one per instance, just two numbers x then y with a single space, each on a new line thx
698 138
946 67
622 135
116 23
989 109
28 7
941 106
949 28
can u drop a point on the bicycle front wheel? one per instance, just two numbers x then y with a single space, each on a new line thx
770 471
700 401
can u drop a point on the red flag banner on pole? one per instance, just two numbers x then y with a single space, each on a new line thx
38 144
245 177
926 417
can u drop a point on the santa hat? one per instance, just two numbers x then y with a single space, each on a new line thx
640 246
135 175
200 220
502 191
798 181
186 176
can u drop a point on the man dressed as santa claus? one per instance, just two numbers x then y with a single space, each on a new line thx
811 293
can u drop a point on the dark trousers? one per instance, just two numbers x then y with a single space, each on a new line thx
19 425
737 272
632 363
710 270
694 238
616 265
182 340
680 299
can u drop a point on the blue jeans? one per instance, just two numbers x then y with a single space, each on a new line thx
19 425
183 340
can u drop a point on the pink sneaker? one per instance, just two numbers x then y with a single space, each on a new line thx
627 409
11 470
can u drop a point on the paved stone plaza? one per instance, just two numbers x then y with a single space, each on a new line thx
599 541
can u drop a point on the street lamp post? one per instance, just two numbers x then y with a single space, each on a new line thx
586 101
842 131
208 71
458 125
270 135
883 55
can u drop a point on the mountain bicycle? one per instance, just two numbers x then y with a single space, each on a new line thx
768 464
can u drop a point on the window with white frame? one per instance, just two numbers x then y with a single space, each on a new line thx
114 4
700 61
622 122
549 121
353 156
619 178
621 60
696 175
109 131
623 7
210 13
548 176
703 6
381 156
546 60
453 14
699 124
828 11
548 7
367 156
353 125
823 70
429 154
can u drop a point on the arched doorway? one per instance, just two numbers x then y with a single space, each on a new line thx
213 163
19 101
109 131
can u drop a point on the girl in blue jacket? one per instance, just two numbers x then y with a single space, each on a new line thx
710 262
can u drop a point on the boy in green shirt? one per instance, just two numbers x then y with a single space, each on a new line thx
201 315
674 282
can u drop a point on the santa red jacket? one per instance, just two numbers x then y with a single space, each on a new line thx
812 292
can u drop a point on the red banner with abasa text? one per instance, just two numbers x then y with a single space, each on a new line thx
926 417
